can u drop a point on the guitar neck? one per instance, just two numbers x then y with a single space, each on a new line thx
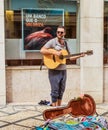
68 56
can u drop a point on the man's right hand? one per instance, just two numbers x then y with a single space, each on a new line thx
58 53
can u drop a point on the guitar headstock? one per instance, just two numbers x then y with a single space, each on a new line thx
89 52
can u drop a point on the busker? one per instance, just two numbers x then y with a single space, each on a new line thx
57 76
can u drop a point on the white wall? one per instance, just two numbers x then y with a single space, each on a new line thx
29 84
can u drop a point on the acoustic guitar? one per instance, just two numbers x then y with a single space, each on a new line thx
53 61
82 106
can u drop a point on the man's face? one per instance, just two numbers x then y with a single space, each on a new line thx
60 33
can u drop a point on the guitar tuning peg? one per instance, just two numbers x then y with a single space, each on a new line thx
89 52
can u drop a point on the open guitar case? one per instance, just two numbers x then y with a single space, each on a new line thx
81 106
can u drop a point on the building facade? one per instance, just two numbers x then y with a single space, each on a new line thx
84 20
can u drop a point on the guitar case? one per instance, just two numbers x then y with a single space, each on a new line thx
81 106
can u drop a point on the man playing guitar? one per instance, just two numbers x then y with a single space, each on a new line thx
57 76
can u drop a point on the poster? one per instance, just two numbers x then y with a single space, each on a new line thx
39 26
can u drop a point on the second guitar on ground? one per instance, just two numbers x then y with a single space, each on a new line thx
53 61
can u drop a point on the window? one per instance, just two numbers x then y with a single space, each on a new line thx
14 28
13 24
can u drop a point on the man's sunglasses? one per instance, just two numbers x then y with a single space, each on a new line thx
60 32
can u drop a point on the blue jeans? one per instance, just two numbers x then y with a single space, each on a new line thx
57 80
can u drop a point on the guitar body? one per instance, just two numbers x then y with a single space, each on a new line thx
53 61
84 106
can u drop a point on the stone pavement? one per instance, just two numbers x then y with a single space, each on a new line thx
27 116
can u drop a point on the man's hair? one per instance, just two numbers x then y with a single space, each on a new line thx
61 27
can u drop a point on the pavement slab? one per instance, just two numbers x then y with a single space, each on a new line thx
26 117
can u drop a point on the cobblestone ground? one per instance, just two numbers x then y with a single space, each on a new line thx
26 117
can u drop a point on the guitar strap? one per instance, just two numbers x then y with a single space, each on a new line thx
41 64
67 50
67 47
